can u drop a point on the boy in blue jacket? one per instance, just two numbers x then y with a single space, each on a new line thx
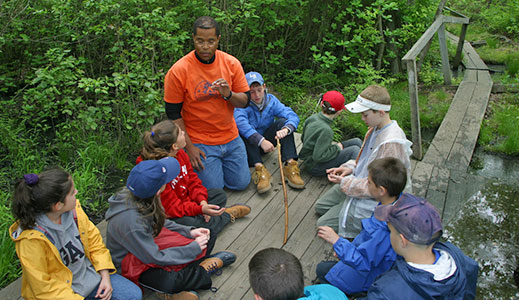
425 268
263 121
370 254
276 274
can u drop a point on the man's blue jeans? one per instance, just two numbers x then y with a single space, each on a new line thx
225 165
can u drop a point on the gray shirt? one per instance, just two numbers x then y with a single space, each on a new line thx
65 237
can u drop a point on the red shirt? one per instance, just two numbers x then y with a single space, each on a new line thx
183 194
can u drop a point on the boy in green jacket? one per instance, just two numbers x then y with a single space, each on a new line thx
319 150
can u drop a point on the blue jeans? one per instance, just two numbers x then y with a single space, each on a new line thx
123 289
225 165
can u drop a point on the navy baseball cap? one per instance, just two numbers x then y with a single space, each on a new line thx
414 217
147 177
254 77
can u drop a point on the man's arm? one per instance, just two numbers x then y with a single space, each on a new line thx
193 151
236 99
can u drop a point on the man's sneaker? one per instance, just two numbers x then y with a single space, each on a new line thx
261 177
237 211
214 263
184 295
291 171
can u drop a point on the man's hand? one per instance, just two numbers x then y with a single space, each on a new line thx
267 146
194 154
212 210
327 234
282 133
222 86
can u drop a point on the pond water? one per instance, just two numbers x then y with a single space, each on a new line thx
487 227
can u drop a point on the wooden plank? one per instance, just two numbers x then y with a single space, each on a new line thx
265 231
461 153
461 187
423 40
421 178
438 185
412 77
12 291
444 53
470 76
446 135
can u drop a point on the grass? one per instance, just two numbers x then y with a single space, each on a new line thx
499 133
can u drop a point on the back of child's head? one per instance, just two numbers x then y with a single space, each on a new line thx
158 141
276 274
145 181
390 173
35 194
413 217
332 102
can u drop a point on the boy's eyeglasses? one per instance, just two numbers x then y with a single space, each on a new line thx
209 43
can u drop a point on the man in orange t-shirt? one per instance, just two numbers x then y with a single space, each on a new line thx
200 92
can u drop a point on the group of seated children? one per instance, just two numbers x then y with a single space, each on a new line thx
162 226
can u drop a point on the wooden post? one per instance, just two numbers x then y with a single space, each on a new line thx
415 111
457 58
444 55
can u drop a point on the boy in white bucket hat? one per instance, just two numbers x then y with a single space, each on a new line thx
349 201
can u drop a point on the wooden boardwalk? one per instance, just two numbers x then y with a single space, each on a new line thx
441 178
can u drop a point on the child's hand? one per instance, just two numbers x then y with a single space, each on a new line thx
202 241
327 234
339 145
199 232
104 291
212 210
340 171
334 178
207 218
282 133
267 146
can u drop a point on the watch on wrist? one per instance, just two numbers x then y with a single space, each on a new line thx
228 97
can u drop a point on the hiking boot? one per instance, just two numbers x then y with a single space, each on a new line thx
184 295
261 177
237 211
291 171
214 263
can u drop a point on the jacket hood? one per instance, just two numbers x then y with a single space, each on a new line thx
119 203
452 287
15 232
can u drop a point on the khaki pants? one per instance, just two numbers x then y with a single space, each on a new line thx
329 207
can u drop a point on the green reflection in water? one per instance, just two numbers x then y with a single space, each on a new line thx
486 229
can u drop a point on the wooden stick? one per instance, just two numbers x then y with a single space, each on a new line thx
284 191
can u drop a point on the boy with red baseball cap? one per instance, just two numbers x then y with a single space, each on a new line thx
319 150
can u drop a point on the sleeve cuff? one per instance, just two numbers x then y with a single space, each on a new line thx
255 139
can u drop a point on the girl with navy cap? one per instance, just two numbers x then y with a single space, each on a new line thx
151 250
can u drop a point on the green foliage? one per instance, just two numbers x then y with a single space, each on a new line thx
512 64
500 133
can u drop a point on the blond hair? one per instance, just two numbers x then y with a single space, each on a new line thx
376 93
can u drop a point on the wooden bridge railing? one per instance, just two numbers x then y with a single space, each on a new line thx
410 61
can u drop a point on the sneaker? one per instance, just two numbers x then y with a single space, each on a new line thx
227 257
184 295
237 211
292 174
261 177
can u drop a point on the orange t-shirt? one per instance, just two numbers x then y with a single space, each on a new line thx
208 117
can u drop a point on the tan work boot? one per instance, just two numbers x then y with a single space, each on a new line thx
212 265
292 175
184 295
237 211
261 178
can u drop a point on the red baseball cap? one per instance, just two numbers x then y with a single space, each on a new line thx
335 99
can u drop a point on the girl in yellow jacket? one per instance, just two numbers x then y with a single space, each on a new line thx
61 252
